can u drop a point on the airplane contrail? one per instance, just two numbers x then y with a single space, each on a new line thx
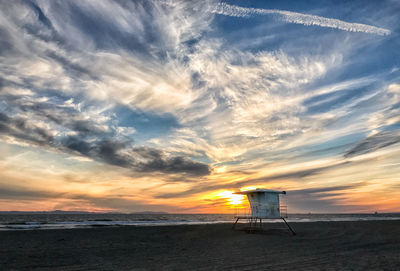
298 18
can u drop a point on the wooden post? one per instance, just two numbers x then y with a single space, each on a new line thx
233 227
289 227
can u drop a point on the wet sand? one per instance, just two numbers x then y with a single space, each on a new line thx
372 245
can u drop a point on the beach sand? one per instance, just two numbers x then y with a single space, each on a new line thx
363 245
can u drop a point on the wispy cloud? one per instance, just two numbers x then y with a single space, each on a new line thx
299 18
375 142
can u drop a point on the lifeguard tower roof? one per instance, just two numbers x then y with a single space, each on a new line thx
259 190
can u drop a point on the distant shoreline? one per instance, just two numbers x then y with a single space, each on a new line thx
151 212
74 212
47 221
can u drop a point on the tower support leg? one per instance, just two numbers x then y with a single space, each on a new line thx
234 225
290 228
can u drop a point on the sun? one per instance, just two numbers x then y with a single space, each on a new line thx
231 198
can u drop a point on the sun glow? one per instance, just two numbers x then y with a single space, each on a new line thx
246 188
231 198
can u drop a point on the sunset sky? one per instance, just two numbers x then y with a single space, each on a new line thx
173 105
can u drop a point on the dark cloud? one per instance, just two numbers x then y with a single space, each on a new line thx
326 199
21 128
324 190
19 193
90 139
374 143
106 150
159 162
120 154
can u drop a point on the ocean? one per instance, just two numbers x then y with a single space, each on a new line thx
43 221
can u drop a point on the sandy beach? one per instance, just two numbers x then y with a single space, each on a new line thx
372 245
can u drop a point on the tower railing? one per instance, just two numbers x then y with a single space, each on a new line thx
242 212
283 211
247 212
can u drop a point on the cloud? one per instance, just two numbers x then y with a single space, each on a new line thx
156 161
324 190
22 129
64 96
142 159
26 194
67 130
66 200
299 18
295 175
373 143
189 78
330 199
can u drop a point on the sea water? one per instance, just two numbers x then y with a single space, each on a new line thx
29 221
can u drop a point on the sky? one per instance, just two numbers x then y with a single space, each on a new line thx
130 106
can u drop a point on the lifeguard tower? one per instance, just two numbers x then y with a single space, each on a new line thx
265 204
